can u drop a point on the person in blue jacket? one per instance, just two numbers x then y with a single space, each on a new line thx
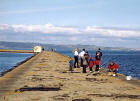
71 64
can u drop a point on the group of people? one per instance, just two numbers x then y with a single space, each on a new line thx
87 61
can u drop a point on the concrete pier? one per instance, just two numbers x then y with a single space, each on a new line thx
45 77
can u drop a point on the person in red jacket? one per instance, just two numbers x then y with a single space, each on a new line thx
97 61
113 67
90 64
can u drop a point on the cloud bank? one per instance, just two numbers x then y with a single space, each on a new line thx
108 36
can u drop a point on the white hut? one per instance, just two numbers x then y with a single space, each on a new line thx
37 49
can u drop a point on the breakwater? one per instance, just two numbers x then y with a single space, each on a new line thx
45 77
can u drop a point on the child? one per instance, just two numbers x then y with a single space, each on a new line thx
91 64
70 65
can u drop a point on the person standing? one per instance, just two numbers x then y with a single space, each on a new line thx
87 56
97 61
76 58
91 64
84 63
100 53
81 55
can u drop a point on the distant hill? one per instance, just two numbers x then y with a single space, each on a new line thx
29 46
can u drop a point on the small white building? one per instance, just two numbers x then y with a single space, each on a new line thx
37 49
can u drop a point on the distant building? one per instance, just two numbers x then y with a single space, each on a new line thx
38 49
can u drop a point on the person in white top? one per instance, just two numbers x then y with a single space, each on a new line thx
81 55
76 58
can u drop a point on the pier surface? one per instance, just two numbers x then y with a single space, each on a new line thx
45 77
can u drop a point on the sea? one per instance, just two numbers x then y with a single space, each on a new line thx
128 61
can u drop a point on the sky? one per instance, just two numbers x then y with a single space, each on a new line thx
110 23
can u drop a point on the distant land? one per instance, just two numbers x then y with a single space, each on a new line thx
29 46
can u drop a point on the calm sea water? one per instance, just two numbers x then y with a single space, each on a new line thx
128 61
8 60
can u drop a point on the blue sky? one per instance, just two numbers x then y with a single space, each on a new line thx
101 22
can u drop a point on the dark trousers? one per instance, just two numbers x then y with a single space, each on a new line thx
81 62
70 68
84 68
97 68
76 61
90 68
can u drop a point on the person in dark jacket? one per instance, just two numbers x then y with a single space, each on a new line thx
97 61
76 58
100 53
87 56
113 67
91 64
84 63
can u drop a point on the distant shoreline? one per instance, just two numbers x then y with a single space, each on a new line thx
30 45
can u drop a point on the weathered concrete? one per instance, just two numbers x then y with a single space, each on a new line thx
45 77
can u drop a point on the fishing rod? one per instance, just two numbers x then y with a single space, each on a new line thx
104 63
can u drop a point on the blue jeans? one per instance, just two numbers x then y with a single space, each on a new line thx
84 68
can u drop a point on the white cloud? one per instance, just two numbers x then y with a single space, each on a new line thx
113 32
90 30
48 28
73 38
71 35
4 27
